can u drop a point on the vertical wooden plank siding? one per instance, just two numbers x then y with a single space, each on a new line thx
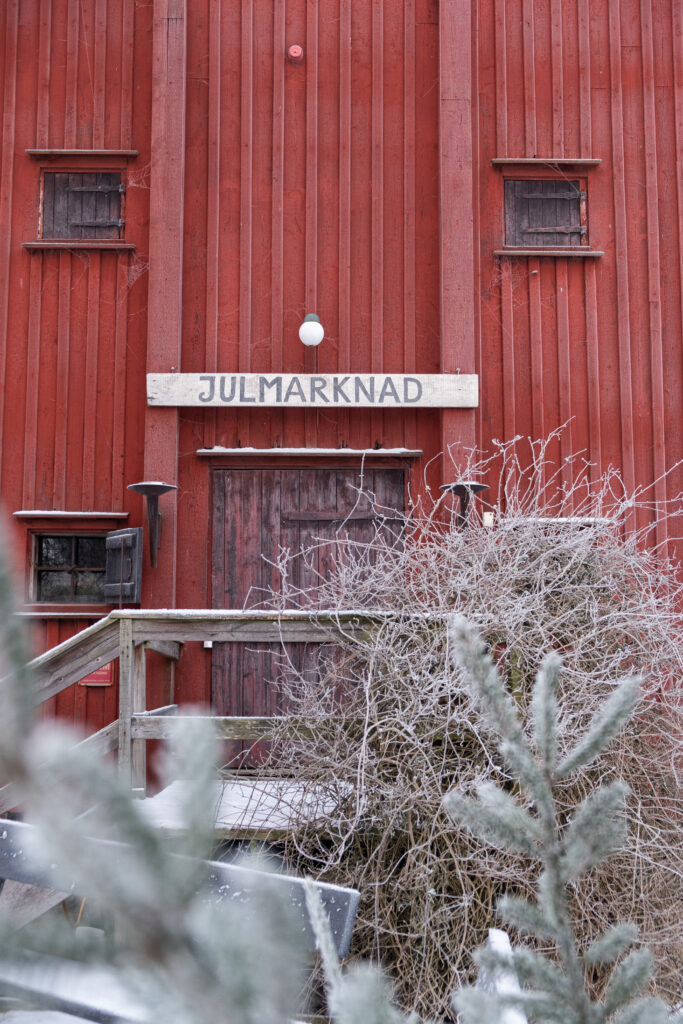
529 79
115 502
72 68
44 68
593 374
584 79
212 208
92 334
277 202
457 227
501 79
246 185
344 204
654 268
126 139
166 272
99 74
677 44
564 371
32 379
6 187
621 248
63 380
556 33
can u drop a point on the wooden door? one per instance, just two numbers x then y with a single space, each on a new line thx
257 514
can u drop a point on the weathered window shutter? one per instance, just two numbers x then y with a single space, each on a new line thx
545 214
123 580
82 205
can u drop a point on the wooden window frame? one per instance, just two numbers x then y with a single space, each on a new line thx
36 567
49 523
564 185
557 170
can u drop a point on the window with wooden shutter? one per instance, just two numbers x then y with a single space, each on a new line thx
78 205
68 568
547 213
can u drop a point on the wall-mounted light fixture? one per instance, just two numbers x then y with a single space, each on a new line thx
464 490
151 490
311 331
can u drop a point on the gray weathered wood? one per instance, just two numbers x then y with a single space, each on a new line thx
156 727
75 658
139 703
102 742
169 648
126 684
360 391
227 882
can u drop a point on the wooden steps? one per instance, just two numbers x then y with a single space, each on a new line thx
250 808
22 903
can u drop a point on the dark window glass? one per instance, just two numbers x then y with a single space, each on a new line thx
90 551
82 205
54 550
69 569
545 214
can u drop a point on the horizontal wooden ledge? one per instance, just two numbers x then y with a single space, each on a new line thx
548 161
581 253
405 453
111 153
49 513
84 243
49 613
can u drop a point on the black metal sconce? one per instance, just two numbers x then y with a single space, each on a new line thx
151 490
464 489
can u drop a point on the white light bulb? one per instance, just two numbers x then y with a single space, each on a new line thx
311 331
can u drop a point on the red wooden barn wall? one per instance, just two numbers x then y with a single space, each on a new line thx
358 185
72 321
595 343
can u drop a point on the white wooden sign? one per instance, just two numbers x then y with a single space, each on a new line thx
306 390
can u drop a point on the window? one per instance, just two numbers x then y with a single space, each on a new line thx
546 213
69 568
81 205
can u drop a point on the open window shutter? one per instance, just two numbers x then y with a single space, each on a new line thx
123 580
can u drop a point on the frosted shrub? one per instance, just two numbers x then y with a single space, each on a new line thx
407 730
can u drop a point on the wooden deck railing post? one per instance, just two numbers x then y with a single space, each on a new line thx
139 703
126 676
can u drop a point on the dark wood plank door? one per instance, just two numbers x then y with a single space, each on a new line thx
258 514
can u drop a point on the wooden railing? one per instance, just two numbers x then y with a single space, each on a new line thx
126 635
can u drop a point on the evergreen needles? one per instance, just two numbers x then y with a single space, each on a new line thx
565 849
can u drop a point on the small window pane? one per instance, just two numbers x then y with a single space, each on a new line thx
88 587
70 568
54 586
55 550
90 552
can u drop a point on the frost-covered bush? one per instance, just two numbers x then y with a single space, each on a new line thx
392 726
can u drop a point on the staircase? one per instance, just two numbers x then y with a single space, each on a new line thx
248 807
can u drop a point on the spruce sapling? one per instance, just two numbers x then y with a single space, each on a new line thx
552 994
